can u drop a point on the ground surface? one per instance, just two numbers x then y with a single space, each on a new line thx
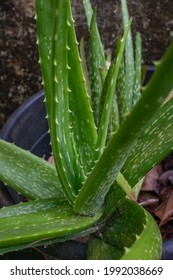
19 72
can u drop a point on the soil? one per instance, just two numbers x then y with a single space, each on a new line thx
20 73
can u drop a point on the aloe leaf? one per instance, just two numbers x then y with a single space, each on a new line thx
115 122
44 23
131 233
92 194
108 92
88 11
121 94
28 174
137 77
83 126
84 65
113 197
61 136
129 57
122 104
34 223
152 141
97 62
54 15
31 207
47 241
118 191
100 250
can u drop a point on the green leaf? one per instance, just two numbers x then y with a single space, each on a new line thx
121 91
108 94
115 118
84 65
156 140
88 11
138 70
32 207
98 68
92 194
55 79
83 127
44 242
100 250
118 191
113 197
39 220
129 57
97 62
130 234
61 136
44 23
28 174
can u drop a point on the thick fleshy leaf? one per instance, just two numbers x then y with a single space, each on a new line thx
28 174
40 220
114 196
129 57
92 194
88 11
118 191
121 92
44 23
57 96
108 94
83 127
138 67
156 140
44 242
97 62
130 234
61 136
84 65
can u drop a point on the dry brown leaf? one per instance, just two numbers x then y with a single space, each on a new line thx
167 214
150 181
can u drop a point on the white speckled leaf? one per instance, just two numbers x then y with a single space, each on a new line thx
82 121
129 57
52 19
109 92
39 220
130 234
44 242
154 144
92 195
30 207
44 23
97 62
88 11
137 76
28 174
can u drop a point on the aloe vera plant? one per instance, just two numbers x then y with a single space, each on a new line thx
106 133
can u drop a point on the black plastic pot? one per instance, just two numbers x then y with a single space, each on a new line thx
28 129
27 126
167 252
